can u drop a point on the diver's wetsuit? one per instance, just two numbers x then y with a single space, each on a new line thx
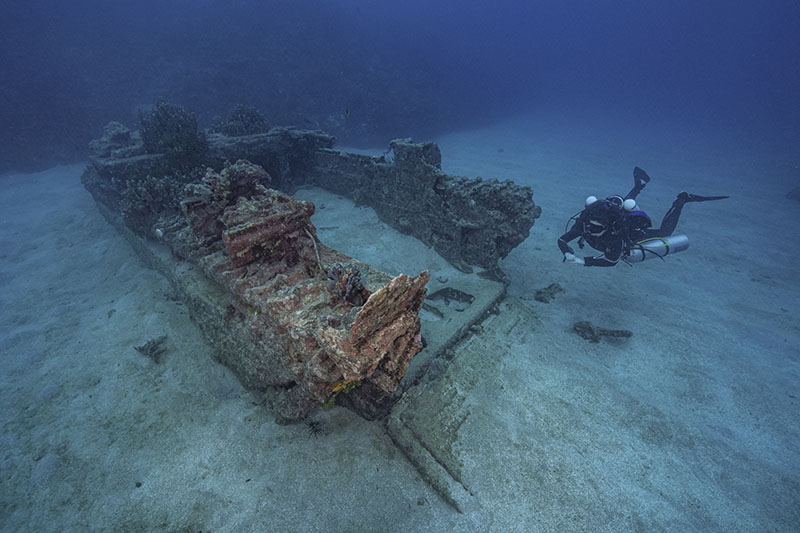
612 230
606 240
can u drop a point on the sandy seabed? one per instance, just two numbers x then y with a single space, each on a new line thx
691 424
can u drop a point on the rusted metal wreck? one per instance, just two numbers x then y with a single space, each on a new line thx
282 309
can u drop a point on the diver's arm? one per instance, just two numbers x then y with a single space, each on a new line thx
599 261
610 258
571 235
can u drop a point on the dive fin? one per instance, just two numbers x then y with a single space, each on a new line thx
686 197
640 175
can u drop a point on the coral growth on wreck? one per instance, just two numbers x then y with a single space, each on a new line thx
170 130
345 282
147 199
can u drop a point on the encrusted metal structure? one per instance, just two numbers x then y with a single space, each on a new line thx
281 308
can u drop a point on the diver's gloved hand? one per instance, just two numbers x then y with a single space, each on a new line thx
572 258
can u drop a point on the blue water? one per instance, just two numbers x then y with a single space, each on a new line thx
564 96
370 71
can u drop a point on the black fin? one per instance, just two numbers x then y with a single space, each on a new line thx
686 197
640 175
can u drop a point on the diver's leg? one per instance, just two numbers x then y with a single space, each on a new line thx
640 179
670 220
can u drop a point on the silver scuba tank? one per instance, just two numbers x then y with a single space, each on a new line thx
657 247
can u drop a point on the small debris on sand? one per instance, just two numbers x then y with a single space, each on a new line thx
547 294
592 333
154 348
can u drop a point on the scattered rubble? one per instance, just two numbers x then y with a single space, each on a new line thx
592 333
154 348
547 294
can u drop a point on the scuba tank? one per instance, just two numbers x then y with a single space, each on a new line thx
656 247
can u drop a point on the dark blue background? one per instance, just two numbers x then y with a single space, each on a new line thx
371 70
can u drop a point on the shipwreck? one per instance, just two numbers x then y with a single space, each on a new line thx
213 212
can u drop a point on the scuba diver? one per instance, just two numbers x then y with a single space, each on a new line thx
622 232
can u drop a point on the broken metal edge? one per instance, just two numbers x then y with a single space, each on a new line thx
432 470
